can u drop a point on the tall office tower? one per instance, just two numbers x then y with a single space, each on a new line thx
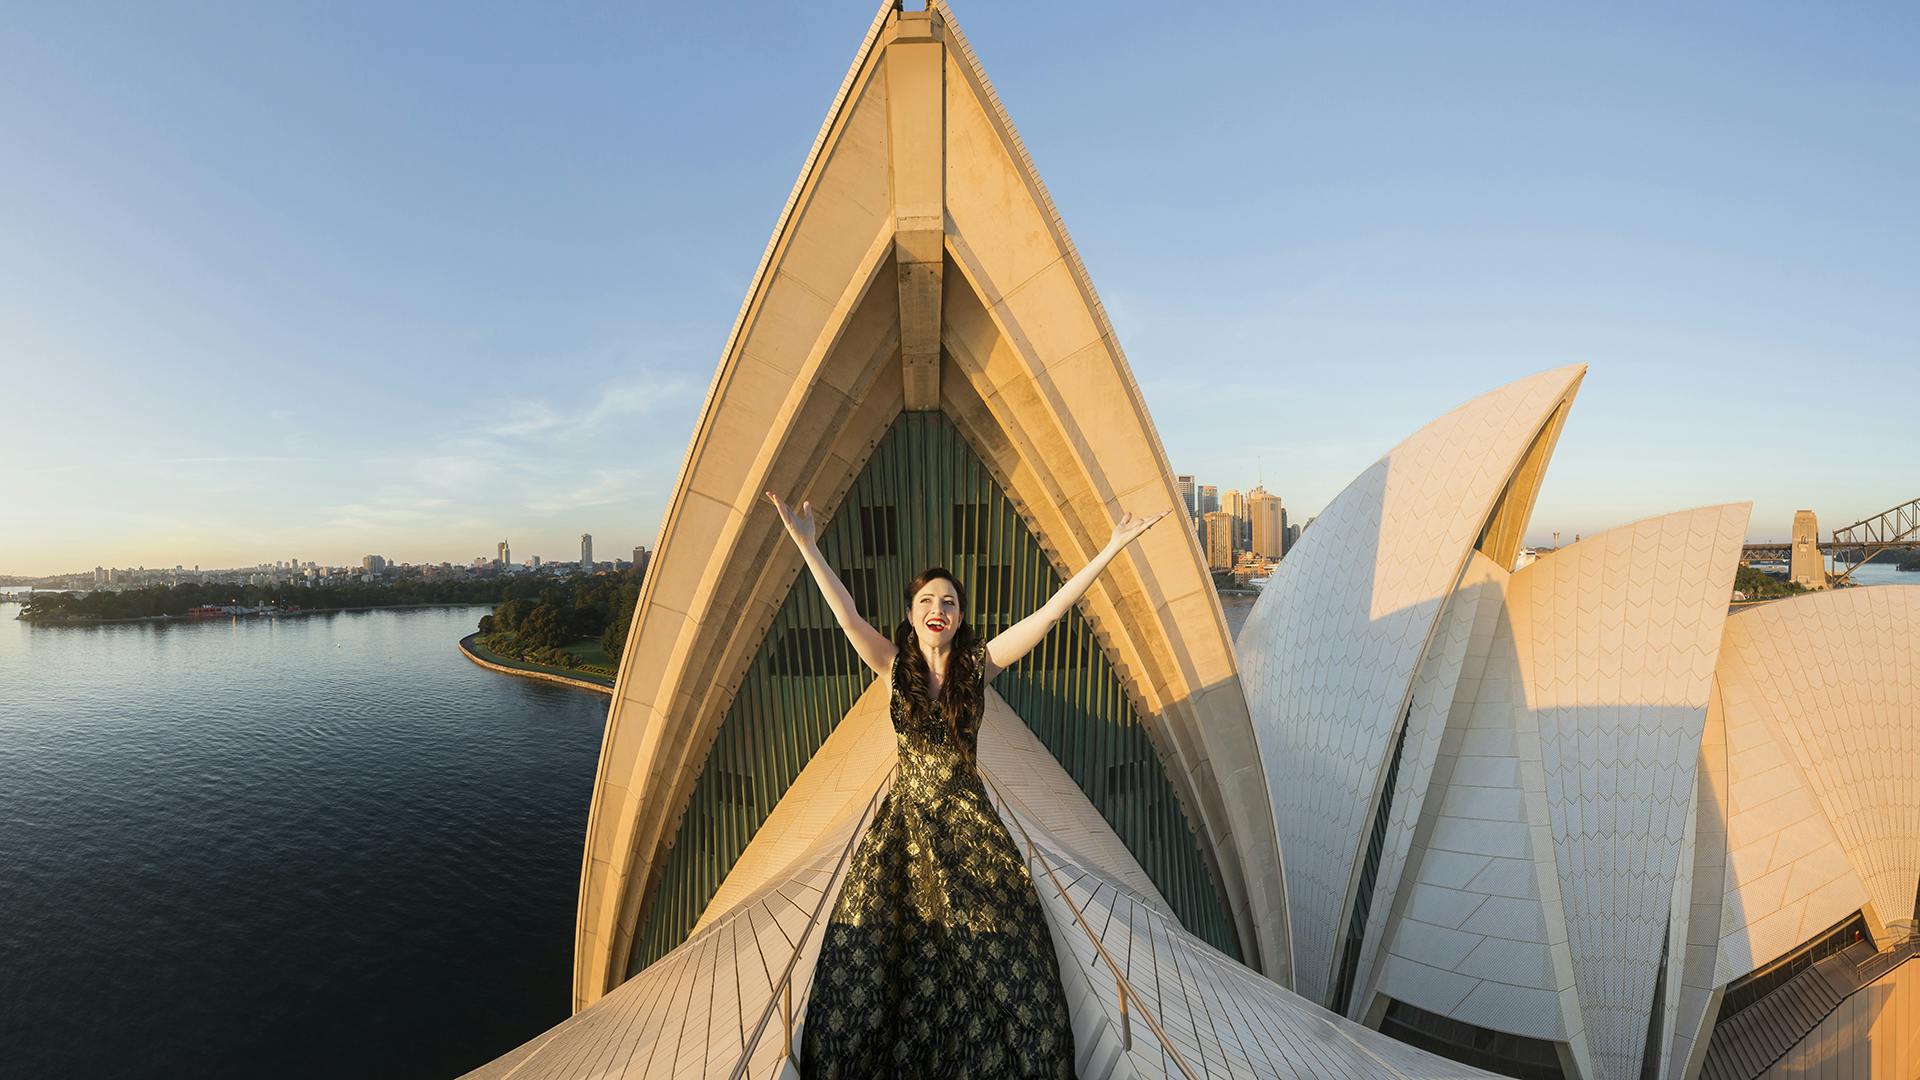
1268 521
586 551
1287 531
1209 499
1293 536
373 564
536 562
505 554
1807 566
1185 484
640 557
99 575
1235 504
1219 529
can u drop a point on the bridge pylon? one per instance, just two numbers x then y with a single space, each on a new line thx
1807 566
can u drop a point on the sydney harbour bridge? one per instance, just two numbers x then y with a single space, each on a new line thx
1850 547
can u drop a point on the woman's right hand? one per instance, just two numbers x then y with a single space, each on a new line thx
799 523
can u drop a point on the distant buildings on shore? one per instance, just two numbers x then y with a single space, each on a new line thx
1244 534
372 568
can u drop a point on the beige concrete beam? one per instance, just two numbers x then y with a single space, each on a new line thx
916 69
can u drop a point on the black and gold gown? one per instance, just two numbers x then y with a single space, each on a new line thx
937 960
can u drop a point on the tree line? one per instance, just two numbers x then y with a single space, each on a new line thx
1760 585
160 600
538 626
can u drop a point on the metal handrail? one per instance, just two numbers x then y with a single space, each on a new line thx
1124 988
785 997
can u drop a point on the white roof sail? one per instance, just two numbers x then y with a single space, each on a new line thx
1329 653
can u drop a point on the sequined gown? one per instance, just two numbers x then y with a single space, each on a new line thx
937 961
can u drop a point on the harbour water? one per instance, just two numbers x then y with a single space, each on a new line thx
314 846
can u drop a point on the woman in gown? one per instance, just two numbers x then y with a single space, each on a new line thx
937 961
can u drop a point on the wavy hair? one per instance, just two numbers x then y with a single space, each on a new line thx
954 697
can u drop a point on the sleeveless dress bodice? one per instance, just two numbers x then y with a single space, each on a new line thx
937 960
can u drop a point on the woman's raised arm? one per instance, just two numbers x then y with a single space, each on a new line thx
873 646
1018 640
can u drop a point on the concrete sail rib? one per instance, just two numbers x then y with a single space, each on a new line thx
1474 936
1330 652
833 342
1039 383
1617 638
698 1010
1828 686
802 382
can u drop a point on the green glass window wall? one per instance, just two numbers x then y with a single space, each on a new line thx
925 499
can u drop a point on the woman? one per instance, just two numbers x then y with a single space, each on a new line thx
936 960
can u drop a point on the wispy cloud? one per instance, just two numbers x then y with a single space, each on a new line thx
602 487
386 511
541 420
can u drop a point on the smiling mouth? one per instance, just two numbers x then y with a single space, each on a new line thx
936 624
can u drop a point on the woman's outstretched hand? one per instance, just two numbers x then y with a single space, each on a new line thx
799 522
1130 526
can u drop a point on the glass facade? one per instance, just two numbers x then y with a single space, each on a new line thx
1369 873
925 499
1747 990
1470 1044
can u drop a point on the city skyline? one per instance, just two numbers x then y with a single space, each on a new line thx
525 558
287 283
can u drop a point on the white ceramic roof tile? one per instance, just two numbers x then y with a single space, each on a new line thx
690 1013
1822 715
1498 967
1329 653
1620 718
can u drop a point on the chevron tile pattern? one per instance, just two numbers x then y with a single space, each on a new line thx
1834 678
1480 937
1435 692
1329 652
1617 638
1221 1019
696 1012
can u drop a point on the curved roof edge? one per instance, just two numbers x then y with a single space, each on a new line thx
1617 638
1330 652
810 378
1821 698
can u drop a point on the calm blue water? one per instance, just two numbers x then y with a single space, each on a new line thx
321 846
1877 573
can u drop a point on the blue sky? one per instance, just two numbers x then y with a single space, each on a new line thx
355 278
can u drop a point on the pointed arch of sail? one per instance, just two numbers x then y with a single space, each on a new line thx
832 344
1332 649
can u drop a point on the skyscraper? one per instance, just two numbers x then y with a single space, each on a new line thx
1219 530
640 555
1268 524
505 554
1209 499
586 551
1235 504
1185 484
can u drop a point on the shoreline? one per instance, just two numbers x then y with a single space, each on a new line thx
471 650
249 615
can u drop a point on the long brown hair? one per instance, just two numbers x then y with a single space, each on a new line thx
954 695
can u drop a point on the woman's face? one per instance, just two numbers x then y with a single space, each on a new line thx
936 612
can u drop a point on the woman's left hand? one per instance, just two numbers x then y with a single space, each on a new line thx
1129 528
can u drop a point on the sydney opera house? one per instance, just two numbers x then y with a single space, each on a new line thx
1439 812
